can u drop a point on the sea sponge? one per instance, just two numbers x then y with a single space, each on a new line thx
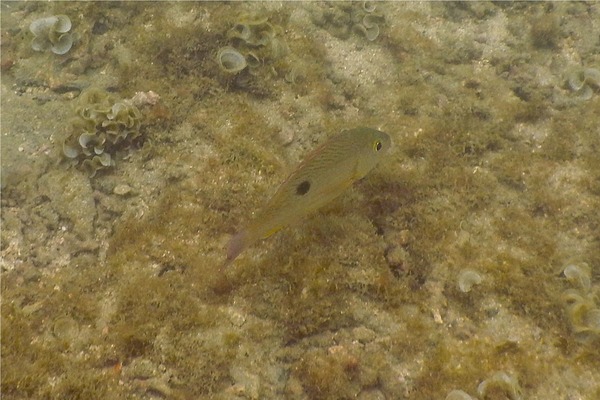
103 126
52 33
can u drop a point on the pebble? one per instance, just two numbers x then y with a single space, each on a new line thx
122 190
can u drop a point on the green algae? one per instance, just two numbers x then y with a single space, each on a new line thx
584 81
230 60
103 126
52 33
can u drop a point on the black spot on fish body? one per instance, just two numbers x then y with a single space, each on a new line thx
303 188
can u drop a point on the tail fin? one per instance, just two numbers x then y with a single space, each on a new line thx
237 244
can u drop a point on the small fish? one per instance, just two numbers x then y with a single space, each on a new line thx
322 176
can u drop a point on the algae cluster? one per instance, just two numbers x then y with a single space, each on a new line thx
581 304
52 33
361 18
255 51
103 126
584 81
258 39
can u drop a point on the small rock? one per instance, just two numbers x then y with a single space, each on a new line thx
122 190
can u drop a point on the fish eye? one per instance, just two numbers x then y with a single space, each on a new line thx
377 145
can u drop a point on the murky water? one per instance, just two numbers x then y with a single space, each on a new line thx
129 161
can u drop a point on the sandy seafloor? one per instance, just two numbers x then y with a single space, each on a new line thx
111 286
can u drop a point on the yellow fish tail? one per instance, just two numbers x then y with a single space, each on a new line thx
237 244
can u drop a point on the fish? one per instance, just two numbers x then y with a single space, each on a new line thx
321 177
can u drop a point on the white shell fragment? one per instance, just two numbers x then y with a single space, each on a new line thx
467 278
